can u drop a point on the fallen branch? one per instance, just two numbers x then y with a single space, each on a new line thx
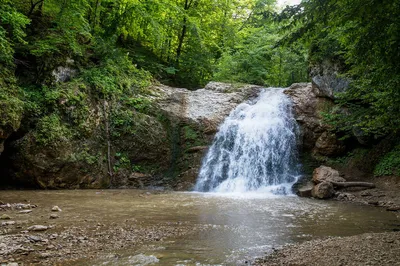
353 184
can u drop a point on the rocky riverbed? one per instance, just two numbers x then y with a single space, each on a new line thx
366 249
47 235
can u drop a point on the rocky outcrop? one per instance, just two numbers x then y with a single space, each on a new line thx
193 117
208 106
308 107
164 147
329 145
326 80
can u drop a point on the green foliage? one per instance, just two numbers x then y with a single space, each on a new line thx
11 107
257 60
116 76
389 164
12 26
192 137
122 162
51 131
86 156
190 133
363 38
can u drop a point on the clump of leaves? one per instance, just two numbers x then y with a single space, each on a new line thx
52 131
389 164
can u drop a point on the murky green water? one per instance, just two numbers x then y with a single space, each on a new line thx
237 228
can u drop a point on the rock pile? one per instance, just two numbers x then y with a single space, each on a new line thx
326 181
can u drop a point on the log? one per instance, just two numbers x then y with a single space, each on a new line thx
353 184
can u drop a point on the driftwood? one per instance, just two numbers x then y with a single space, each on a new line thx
353 184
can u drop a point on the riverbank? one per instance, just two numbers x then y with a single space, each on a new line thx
385 195
365 249
73 232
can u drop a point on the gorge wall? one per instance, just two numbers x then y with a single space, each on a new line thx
164 148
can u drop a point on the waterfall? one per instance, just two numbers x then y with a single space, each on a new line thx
255 148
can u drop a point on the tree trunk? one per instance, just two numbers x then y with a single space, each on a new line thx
182 36
33 6
353 184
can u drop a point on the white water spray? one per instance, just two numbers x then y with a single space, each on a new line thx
255 148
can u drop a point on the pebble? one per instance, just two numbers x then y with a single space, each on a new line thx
5 217
56 209
34 238
8 223
38 228
44 255
54 216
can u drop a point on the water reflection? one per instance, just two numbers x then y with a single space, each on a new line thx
236 227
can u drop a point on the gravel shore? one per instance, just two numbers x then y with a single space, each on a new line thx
366 249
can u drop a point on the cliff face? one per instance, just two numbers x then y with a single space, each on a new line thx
309 104
164 147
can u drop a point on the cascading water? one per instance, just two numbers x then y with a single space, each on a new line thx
255 148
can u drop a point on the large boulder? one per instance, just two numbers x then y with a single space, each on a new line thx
323 190
326 174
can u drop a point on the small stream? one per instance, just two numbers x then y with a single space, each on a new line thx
236 228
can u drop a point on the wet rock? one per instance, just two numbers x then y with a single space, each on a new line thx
5 217
305 190
54 216
345 196
325 173
38 228
323 190
56 209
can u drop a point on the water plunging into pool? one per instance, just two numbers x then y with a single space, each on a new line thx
255 149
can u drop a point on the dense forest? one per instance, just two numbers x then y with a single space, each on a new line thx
56 57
